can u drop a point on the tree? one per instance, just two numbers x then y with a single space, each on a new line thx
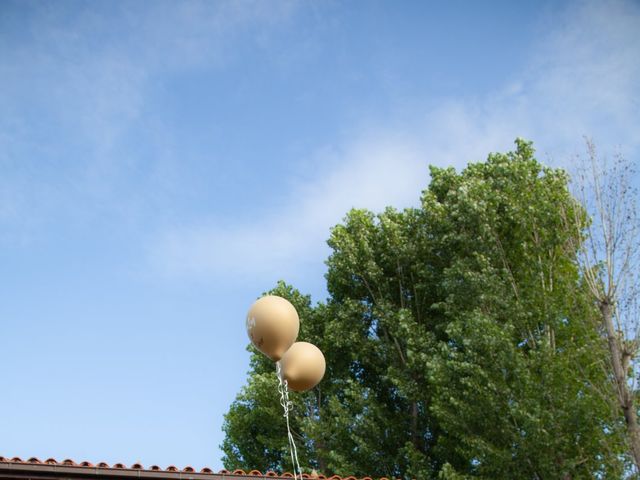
609 261
453 333
518 324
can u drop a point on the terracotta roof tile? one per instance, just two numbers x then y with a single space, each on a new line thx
171 468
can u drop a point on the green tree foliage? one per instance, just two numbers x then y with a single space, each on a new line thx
460 342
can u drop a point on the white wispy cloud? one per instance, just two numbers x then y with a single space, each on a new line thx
75 81
371 173
582 79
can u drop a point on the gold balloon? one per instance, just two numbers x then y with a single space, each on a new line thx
302 366
272 325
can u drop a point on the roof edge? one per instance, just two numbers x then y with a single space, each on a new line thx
16 468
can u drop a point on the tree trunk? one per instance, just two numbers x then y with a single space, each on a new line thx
625 396
322 463
321 446
414 426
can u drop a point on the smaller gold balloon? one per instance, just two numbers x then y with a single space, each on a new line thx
302 366
272 325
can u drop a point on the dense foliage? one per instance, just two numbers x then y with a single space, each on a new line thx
459 341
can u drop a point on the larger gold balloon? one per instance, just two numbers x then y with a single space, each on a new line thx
302 366
272 325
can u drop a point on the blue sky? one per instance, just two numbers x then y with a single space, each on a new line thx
163 163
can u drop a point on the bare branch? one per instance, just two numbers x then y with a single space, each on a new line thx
609 260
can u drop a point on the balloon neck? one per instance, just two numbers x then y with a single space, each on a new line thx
277 355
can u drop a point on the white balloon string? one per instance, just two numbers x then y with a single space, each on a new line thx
287 406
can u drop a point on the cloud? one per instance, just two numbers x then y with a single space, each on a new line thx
281 241
75 80
581 79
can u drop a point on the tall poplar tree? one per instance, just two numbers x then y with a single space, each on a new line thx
460 342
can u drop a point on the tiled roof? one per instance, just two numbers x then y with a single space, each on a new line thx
170 471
